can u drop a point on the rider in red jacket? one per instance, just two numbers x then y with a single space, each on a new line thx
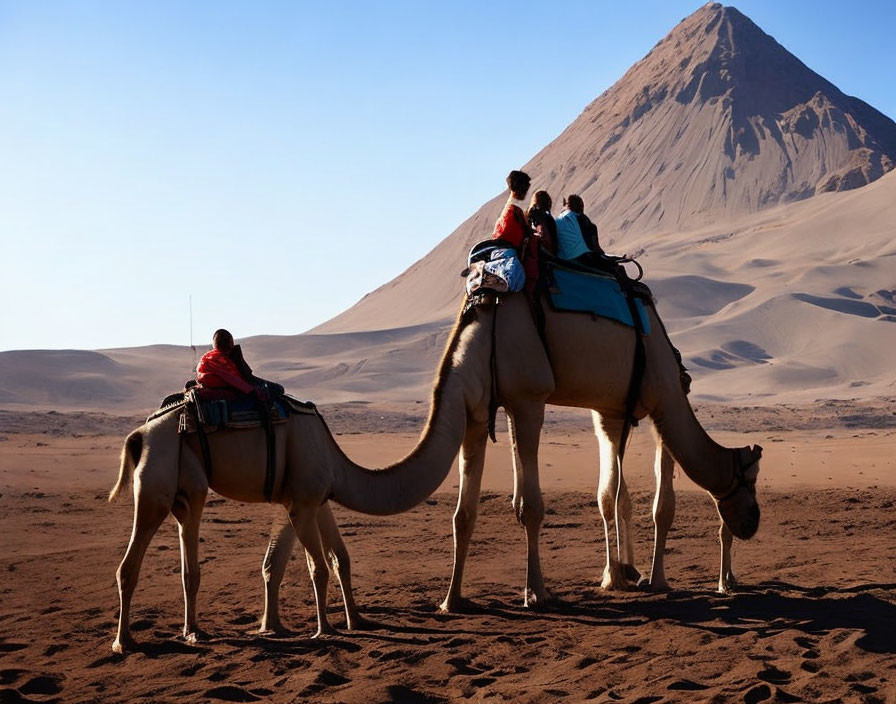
513 227
217 368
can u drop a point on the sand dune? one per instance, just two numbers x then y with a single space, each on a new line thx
714 160
792 303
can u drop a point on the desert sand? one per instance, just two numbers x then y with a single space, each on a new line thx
812 620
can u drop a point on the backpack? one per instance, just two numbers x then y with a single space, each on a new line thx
493 265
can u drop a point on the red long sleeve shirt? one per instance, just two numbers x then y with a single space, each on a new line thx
217 370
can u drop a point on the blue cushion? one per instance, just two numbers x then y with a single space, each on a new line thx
593 293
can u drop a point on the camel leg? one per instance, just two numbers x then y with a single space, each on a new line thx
663 514
340 562
276 559
188 512
608 431
472 461
525 431
304 521
148 516
727 582
627 544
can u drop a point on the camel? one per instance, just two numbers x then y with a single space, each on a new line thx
591 366
591 359
169 477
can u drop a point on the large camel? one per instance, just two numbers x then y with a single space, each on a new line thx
168 474
591 361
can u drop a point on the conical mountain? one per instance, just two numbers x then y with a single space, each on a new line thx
717 121
716 158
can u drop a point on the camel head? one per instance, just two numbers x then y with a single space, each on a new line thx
738 506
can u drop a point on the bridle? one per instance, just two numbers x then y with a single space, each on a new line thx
746 457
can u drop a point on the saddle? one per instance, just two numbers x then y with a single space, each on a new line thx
604 290
207 410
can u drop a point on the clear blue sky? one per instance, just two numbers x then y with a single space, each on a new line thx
278 160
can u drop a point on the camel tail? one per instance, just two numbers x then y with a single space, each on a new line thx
130 457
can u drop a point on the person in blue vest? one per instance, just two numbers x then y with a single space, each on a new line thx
577 235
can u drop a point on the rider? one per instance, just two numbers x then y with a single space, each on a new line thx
224 367
513 227
576 234
541 221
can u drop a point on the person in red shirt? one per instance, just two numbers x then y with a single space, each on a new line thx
513 227
219 367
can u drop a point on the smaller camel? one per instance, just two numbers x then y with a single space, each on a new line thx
170 477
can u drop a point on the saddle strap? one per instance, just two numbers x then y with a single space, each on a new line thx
193 406
493 368
639 364
271 464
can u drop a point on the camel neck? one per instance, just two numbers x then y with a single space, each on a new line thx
406 483
709 465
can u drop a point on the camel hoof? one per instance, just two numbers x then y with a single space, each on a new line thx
325 630
276 629
122 646
195 636
456 605
359 623
646 585
533 601
631 573
728 586
614 580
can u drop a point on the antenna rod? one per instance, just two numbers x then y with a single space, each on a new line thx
192 346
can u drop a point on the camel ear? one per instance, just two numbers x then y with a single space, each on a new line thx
752 472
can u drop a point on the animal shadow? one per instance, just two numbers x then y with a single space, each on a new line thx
766 609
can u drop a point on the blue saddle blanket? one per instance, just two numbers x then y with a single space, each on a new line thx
593 293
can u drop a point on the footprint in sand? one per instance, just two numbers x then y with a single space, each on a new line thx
11 647
774 676
782 696
759 693
229 693
811 653
461 667
42 685
586 661
11 675
810 666
326 678
406 695
687 686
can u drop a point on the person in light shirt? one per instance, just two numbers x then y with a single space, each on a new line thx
576 234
